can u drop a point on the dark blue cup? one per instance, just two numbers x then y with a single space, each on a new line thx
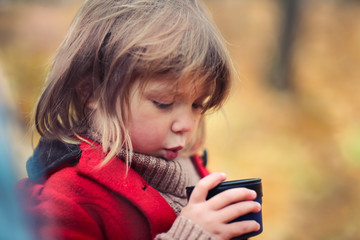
253 184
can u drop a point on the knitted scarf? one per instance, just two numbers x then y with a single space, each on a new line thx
169 177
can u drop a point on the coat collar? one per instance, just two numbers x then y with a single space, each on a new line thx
49 156
125 181
52 155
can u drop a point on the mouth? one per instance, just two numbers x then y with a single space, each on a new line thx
175 149
172 153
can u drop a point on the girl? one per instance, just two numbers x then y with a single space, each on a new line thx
121 120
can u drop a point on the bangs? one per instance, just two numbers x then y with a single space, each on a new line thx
145 39
185 47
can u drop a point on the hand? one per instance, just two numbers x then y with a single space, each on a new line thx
214 214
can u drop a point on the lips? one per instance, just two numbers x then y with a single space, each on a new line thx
175 149
172 153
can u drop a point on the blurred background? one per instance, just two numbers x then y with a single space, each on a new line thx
293 118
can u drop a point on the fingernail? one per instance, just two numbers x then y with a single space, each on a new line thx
254 194
223 175
259 208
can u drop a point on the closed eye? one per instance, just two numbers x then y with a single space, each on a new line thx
162 105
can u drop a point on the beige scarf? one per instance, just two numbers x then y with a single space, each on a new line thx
169 177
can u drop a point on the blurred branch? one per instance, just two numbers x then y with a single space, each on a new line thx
280 75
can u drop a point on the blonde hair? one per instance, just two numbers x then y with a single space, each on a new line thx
110 45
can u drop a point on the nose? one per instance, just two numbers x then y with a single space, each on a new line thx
184 122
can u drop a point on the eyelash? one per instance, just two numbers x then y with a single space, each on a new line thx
198 106
168 105
162 105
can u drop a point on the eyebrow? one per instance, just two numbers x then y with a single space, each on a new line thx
160 94
161 89
166 90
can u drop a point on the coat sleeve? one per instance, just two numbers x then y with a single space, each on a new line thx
184 228
51 214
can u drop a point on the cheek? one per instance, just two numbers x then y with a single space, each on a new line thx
145 130
199 126
198 121
138 128
139 136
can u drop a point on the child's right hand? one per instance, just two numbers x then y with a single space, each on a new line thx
214 214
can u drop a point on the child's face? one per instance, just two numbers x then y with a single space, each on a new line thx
164 119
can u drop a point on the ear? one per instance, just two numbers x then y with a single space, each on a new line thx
85 93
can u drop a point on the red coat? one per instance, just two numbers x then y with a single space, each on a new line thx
84 202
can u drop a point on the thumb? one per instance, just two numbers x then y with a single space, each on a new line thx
205 185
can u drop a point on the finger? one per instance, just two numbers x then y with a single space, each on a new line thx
204 185
236 210
230 196
236 229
